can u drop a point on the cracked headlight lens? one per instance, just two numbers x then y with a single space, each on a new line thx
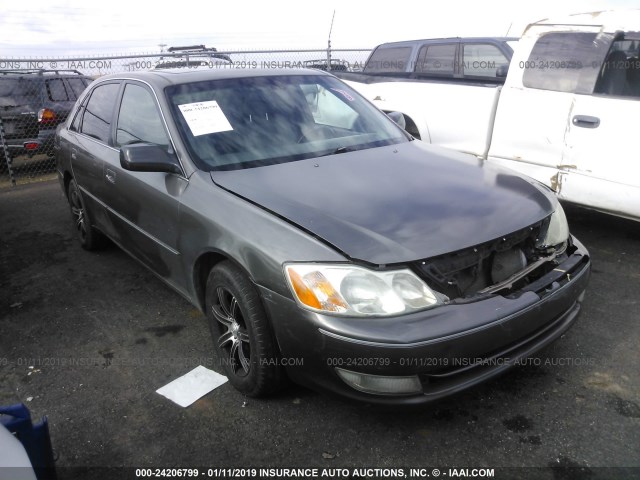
357 291
558 231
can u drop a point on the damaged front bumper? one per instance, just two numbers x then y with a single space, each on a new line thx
425 356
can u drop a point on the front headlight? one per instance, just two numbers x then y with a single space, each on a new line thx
356 291
558 231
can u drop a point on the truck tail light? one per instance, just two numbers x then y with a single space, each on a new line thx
47 117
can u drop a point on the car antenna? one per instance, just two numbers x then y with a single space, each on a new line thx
509 29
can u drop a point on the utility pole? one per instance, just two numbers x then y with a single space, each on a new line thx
329 43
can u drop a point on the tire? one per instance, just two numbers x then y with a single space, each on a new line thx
88 236
242 338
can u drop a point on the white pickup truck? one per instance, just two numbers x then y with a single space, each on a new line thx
564 113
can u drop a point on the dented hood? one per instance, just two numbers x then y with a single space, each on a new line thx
394 204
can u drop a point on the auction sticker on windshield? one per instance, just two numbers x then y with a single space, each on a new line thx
205 117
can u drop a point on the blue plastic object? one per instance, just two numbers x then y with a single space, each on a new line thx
34 437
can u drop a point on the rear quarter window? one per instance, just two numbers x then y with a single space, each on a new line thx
56 90
388 59
437 59
77 86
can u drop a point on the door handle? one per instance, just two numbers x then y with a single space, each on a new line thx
586 121
111 176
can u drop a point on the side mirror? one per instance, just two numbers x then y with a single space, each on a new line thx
502 71
147 157
398 117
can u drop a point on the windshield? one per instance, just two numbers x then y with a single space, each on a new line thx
248 122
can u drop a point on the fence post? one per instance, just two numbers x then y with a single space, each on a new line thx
5 152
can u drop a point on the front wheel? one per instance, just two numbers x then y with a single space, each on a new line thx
242 338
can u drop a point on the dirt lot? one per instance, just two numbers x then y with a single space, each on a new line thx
87 339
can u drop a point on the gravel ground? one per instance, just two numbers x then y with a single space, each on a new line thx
87 338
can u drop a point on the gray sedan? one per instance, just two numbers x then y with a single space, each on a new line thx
324 243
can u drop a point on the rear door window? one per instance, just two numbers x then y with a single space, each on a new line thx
482 60
96 121
620 73
437 59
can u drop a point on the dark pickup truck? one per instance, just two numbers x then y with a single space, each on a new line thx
470 59
32 104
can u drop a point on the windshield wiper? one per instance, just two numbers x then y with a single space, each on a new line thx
337 151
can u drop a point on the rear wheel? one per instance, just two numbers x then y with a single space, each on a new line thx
88 236
242 338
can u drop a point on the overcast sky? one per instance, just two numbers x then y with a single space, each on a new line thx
80 27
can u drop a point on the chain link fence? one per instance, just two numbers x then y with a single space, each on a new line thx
37 94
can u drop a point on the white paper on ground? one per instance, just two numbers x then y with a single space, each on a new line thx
191 386
205 117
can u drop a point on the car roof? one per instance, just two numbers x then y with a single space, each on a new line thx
448 39
610 20
170 76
